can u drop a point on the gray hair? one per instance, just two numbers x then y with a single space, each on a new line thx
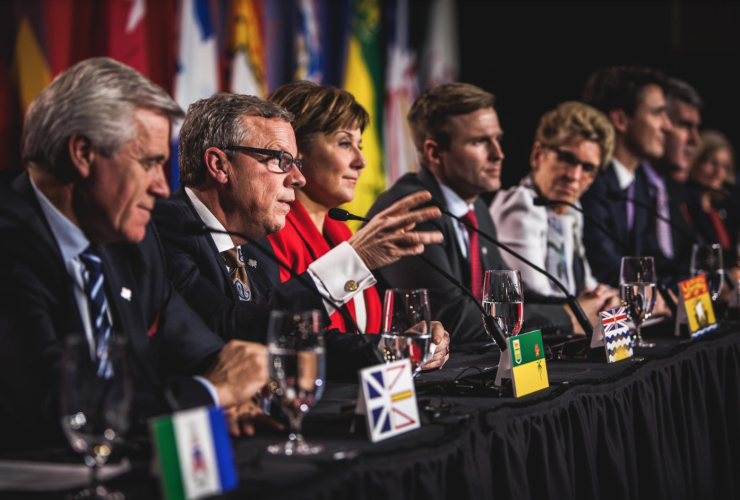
97 98
683 91
217 122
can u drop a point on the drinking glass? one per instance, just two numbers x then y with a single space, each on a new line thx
406 328
637 289
295 343
503 300
707 260
95 398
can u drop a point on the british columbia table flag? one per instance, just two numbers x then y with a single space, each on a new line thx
388 399
617 334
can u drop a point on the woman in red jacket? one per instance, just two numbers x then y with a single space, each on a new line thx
328 126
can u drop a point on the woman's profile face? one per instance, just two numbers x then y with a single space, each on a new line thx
332 166
713 171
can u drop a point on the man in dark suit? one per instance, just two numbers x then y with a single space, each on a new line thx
456 133
634 100
238 174
78 256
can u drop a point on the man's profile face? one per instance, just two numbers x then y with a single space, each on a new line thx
258 192
117 197
647 128
683 138
472 163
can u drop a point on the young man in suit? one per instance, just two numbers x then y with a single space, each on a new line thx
78 256
239 171
456 133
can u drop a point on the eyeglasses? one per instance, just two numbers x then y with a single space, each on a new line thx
285 159
573 161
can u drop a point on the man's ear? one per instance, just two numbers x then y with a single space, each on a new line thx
619 120
432 154
534 157
81 154
218 167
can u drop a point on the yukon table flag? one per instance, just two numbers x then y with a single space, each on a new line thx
695 307
193 453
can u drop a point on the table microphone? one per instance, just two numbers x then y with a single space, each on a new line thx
573 304
197 228
490 322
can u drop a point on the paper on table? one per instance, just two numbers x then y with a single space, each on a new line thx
48 476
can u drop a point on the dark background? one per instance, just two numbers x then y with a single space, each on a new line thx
534 54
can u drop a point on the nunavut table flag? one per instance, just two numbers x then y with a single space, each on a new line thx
193 453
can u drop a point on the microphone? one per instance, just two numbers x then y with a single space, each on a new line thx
491 325
573 304
541 201
197 228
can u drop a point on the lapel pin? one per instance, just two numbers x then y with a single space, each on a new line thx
484 250
126 293
252 263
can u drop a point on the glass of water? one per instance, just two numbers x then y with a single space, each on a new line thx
504 301
707 260
637 290
295 344
406 328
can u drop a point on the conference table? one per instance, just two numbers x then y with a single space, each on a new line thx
663 424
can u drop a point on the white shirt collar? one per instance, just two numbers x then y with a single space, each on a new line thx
624 176
455 204
223 241
70 238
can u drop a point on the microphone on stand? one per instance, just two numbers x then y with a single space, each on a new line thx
197 228
491 325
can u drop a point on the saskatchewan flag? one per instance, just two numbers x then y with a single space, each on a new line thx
193 453
363 79
528 363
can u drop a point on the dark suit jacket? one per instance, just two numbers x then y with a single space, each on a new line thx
460 317
196 269
38 309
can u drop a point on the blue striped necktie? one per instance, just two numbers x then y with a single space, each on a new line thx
98 307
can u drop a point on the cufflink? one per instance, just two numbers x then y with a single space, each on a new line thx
351 286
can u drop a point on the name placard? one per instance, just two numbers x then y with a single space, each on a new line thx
524 363
695 307
613 333
387 398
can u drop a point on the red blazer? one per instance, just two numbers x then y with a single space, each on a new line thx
299 243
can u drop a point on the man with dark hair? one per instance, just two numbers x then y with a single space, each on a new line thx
78 256
684 110
456 132
634 101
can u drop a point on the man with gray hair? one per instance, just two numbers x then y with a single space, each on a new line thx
78 255
239 172
684 110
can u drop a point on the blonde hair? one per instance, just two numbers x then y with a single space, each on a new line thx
712 141
572 119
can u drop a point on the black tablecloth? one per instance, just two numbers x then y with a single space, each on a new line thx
664 426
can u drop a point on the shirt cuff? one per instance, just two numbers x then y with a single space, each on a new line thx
210 388
340 275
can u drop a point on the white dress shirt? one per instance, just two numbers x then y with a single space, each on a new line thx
458 208
625 177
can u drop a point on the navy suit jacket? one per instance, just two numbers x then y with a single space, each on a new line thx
460 317
38 309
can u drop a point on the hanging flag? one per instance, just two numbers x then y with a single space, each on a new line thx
440 58
308 42
197 65
30 66
401 88
363 79
126 38
246 48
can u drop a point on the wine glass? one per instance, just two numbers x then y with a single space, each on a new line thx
503 300
95 398
707 260
406 328
637 289
295 343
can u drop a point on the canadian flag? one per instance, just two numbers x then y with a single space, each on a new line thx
127 33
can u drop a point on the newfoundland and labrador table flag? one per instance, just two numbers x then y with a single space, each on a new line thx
194 454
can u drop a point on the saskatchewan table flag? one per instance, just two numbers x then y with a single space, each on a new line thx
194 454
528 363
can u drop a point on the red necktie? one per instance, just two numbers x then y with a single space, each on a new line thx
476 271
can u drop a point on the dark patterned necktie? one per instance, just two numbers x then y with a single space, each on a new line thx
476 270
98 307
234 260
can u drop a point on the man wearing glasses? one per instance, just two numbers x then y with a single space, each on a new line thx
239 173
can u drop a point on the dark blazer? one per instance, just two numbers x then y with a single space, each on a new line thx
38 309
196 269
604 255
460 317
728 209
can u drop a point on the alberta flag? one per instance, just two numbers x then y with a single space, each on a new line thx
193 453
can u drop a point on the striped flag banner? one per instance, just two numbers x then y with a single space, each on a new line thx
194 454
